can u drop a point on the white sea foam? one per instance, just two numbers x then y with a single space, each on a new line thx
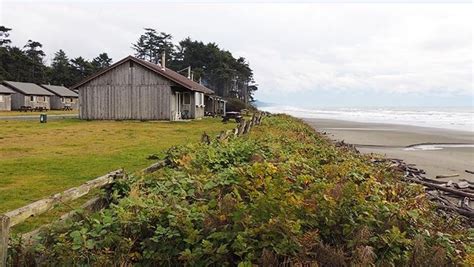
446 118
439 146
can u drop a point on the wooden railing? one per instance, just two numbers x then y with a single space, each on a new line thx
39 207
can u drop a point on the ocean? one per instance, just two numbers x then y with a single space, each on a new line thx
453 118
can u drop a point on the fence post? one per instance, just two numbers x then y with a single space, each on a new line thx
4 237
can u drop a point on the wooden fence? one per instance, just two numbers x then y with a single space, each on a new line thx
39 207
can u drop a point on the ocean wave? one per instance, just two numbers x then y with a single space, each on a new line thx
446 118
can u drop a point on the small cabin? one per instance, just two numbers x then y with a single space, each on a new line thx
5 98
63 98
28 96
134 89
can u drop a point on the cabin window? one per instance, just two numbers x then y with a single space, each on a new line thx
63 100
2 99
187 99
40 99
199 97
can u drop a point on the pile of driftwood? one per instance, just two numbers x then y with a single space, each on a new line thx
449 196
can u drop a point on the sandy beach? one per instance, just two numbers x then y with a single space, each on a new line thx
392 140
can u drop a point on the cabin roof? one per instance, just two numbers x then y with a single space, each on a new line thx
5 90
59 90
27 88
165 72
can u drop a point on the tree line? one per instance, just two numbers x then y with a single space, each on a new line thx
27 63
214 67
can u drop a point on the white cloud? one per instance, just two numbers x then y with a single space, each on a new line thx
425 48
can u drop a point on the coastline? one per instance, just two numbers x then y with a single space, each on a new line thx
391 140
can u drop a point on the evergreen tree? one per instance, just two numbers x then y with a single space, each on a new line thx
36 67
4 33
15 65
101 62
61 69
80 68
152 44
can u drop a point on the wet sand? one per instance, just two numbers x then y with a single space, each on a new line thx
391 140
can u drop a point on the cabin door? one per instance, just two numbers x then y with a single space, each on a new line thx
179 106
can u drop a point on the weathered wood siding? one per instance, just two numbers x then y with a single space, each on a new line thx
18 100
127 92
56 102
5 102
198 112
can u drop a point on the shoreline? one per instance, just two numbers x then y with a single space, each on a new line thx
393 141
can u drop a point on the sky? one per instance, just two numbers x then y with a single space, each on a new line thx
304 53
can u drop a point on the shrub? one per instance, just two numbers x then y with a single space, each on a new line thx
234 104
283 195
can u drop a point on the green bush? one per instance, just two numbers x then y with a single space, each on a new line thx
282 195
234 104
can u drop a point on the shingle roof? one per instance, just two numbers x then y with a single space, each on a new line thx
59 90
27 88
167 73
5 90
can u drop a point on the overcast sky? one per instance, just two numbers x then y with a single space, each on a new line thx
355 53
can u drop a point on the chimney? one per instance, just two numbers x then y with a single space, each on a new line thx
192 76
163 60
189 72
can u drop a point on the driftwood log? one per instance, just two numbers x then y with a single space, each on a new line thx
442 188
447 175
436 189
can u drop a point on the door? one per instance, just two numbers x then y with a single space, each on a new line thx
179 100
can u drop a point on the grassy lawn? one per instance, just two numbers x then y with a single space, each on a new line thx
37 160
50 112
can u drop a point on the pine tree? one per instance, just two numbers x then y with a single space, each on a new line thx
101 62
61 69
36 67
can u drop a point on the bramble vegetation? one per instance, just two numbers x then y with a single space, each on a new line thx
282 195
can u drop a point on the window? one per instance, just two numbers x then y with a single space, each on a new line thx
40 99
2 99
199 97
63 100
187 99
32 98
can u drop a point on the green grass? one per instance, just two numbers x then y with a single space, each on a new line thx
37 160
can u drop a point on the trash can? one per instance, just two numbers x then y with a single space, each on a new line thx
43 118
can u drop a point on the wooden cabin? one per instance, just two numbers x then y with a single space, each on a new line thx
63 98
28 96
5 98
134 89
215 105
